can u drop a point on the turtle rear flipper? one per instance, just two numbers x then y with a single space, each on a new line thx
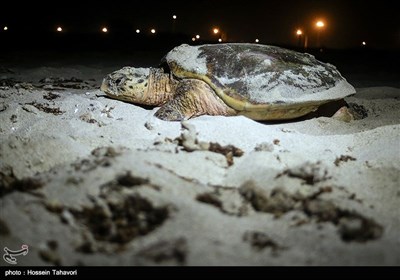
193 98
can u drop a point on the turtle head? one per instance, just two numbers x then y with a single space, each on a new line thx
127 84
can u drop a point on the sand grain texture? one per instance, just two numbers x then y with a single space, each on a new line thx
93 181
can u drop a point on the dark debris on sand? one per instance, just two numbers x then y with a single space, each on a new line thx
352 226
46 108
10 183
119 222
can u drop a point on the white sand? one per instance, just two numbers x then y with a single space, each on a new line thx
178 207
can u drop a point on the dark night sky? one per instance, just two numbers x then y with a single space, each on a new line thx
349 22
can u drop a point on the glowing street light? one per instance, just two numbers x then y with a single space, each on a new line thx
197 37
364 43
5 28
105 30
59 29
137 31
320 24
299 34
153 31
257 41
220 34
174 23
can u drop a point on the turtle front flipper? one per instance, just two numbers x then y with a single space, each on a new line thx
193 98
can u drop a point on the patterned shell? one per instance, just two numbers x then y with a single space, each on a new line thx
259 74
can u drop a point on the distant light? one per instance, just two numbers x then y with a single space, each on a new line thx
137 31
5 28
364 43
193 39
220 40
105 30
59 29
257 40
299 32
320 24
174 17
197 36
153 31
216 30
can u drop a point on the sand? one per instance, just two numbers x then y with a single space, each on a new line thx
87 180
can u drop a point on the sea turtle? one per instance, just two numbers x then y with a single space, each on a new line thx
261 82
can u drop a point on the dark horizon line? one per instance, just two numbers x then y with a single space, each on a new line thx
118 35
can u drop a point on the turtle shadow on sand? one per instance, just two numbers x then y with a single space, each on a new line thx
338 109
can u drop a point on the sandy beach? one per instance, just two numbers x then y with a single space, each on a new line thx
88 180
